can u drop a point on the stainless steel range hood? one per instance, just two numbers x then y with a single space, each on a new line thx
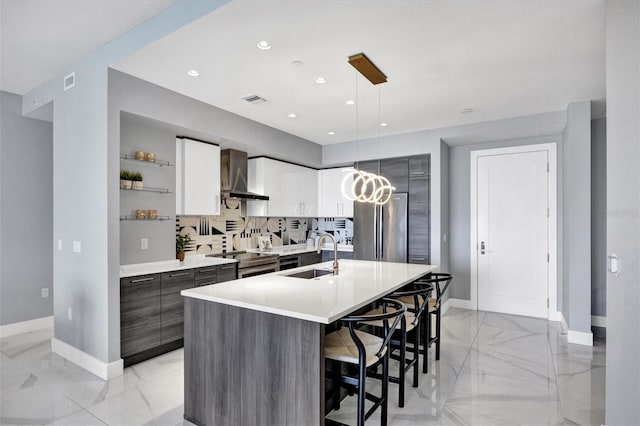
233 176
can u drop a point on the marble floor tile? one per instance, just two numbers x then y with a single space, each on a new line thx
494 369
34 404
146 401
79 418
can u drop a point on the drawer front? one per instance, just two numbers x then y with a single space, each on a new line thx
208 273
139 314
227 272
310 258
173 310
202 283
183 275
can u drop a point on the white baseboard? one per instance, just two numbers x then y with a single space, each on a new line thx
580 337
445 306
460 303
598 321
101 369
555 316
26 326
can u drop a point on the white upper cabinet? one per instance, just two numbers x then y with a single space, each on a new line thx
197 178
292 189
331 201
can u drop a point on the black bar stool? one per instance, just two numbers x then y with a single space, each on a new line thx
415 296
366 351
441 282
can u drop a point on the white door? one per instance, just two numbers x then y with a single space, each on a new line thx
512 233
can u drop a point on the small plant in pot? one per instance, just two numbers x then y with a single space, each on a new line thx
181 243
125 179
136 180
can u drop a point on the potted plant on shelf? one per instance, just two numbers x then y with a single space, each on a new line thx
181 243
125 179
136 180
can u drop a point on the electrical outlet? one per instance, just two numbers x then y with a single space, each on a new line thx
69 314
45 293
59 245
144 244
77 246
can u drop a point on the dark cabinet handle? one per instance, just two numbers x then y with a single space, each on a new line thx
207 283
416 173
141 280
207 270
222 268
178 275
418 258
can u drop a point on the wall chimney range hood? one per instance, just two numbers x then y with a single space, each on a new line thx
233 176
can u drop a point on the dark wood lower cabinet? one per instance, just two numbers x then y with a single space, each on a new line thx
140 326
152 309
172 304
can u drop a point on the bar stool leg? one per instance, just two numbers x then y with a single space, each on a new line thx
426 337
402 362
385 388
416 353
362 378
438 334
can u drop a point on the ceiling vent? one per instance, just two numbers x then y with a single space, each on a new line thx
254 99
69 81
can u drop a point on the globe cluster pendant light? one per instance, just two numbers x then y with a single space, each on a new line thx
358 185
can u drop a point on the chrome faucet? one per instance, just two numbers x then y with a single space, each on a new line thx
335 250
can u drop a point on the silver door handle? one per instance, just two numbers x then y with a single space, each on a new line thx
483 249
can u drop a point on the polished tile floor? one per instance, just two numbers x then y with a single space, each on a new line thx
494 369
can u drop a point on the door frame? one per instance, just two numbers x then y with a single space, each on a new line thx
552 229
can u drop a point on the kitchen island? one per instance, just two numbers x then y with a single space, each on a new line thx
254 348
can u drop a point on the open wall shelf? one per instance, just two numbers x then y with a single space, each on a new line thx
133 218
148 189
157 163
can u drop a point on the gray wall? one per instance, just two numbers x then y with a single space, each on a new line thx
460 210
135 136
86 185
599 217
576 189
26 220
623 211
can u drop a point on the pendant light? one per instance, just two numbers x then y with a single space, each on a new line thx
358 185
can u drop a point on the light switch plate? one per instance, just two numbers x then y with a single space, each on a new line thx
144 244
59 245
77 246
614 264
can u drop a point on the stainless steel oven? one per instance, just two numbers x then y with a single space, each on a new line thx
252 264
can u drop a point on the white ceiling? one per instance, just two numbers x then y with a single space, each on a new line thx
39 38
503 58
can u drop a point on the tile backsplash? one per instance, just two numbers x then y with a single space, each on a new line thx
231 231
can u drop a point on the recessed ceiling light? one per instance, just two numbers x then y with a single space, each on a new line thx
383 124
321 80
350 102
466 110
331 133
264 45
292 115
297 63
193 73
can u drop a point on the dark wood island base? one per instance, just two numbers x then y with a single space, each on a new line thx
245 367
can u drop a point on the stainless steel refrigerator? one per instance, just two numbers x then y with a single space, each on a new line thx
380 232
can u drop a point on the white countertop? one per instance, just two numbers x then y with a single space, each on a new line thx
190 262
300 248
324 299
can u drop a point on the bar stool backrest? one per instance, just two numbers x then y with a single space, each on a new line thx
420 293
440 280
392 312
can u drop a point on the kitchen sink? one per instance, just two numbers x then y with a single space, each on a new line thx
310 274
